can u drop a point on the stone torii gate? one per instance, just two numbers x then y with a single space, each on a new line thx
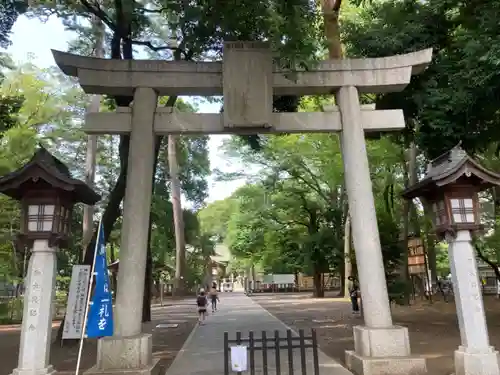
247 80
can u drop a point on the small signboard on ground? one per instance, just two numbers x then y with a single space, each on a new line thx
239 358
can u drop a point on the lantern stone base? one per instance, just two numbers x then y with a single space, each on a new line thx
383 351
44 371
473 363
125 355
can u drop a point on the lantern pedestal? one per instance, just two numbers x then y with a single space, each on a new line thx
36 329
383 351
475 356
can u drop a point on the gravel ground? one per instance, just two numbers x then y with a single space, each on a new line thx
433 327
166 341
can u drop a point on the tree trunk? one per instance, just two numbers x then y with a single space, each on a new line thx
207 261
113 274
347 255
148 275
90 159
408 167
248 277
495 194
430 245
88 211
148 280
112 211
413 179
331 13
180 244
318 291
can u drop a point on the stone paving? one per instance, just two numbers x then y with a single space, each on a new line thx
166 341
203 352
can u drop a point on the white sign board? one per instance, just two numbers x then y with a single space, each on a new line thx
77 298
284 279
239 358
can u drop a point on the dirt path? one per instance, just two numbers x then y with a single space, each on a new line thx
433 327
166 341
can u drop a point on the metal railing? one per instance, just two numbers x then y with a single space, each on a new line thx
275 343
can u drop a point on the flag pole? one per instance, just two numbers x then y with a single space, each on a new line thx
89 293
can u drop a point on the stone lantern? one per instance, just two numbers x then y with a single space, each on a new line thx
47 193
451 188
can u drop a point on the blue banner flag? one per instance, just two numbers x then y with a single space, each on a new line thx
100 316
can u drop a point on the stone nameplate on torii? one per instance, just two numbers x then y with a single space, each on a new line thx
247 82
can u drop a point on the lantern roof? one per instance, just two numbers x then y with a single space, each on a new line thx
46 168
448 168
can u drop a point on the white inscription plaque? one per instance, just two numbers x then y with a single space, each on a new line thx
77 298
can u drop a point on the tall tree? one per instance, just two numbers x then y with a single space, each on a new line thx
202 28
91 154
180 243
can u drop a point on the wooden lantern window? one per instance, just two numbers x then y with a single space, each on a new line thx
455 207
462 211
440 216
46 215
64 219
40 217
462 206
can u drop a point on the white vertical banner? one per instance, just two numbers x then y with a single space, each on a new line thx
77 298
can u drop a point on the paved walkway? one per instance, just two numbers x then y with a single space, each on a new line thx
203 352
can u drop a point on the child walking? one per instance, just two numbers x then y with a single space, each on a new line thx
202 303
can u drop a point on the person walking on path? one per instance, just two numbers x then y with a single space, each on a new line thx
214 298
353 288
201 302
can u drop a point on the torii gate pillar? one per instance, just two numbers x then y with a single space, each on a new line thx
378 339
248 81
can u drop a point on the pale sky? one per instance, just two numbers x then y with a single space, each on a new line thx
34 39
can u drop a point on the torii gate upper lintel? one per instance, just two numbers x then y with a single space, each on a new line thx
108 76
247 80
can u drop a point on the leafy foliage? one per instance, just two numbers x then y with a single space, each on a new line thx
51 113
9 11
290 217
455 98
